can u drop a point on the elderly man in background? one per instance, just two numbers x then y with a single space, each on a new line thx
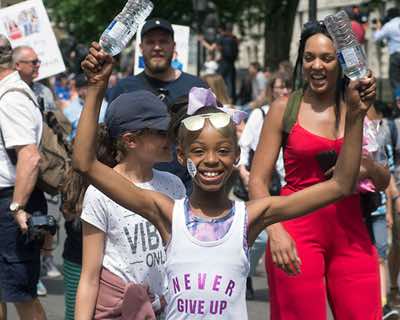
27 63
21 130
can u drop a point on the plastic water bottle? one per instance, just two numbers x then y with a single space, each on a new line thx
125 25
350 53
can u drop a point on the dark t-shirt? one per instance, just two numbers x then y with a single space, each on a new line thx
73 242
168 91
229 48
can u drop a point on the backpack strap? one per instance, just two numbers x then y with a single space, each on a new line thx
11 152
263 112
292 110
20 91
290 115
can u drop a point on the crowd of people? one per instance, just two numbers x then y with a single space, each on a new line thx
158 170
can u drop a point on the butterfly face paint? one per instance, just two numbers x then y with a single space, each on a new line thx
191 168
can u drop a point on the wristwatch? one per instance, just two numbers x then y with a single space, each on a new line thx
15 207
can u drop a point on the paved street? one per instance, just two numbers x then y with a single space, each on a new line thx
54 301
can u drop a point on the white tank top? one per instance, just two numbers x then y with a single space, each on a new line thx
207 280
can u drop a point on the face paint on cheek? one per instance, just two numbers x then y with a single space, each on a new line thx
191 168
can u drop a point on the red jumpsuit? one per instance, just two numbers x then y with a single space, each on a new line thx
339 261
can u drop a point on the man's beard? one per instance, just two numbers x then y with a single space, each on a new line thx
157 68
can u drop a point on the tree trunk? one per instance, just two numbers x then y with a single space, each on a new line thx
279 21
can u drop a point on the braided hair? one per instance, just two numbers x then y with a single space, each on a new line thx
310 29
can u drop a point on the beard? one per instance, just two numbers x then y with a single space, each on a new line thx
159 66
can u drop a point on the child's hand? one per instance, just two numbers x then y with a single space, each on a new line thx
360 94
97 65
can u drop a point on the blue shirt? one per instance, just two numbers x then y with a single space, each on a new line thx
73 113
391 32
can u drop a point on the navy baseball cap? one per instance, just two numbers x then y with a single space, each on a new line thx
136 111
157 23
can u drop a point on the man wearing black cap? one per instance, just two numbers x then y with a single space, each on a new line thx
159 77
158 48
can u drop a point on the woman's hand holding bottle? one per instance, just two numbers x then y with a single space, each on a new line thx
360 94
98 66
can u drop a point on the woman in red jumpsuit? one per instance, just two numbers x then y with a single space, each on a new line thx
327 255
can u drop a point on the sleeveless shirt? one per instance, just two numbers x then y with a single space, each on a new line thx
207 280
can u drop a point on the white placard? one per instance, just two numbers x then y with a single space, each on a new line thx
181 55
27 23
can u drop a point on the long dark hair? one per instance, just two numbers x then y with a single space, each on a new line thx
75 185
312 28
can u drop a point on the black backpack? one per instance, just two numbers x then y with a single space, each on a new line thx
55 155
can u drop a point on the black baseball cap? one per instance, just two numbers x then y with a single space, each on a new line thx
136 111
157 23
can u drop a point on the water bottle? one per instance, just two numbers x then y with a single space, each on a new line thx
350 53
125 25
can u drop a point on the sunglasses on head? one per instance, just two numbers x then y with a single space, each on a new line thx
218 120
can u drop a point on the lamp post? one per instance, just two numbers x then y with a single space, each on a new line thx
312 10
199 7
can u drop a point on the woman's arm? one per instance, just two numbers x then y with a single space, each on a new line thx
346 170
92 260
282 246
154 206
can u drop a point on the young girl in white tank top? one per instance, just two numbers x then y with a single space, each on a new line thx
207 234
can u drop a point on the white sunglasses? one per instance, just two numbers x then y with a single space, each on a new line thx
218 120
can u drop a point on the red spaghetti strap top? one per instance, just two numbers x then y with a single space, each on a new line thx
301 167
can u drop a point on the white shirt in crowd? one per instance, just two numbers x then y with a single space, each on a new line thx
250 137
207 280
258 85
20 123
391 32
133 247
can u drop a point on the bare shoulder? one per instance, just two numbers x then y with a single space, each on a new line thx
277 109
279 105
275 114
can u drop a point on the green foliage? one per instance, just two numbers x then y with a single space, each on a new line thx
86 20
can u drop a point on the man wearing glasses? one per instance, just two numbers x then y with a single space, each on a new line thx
27 63
21 131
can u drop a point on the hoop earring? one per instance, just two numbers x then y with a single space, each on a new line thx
236 164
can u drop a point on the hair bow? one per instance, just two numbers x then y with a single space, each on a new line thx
201 97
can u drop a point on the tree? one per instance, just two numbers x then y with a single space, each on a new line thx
279 22
86 20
